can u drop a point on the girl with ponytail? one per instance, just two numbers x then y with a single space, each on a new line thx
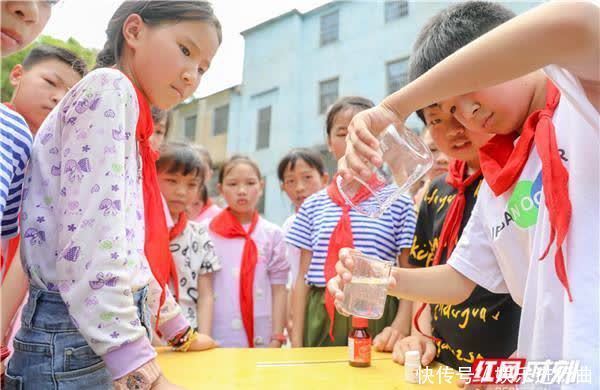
95 240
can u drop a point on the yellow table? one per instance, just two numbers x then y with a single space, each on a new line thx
298 368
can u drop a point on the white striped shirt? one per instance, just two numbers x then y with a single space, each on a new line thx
15 150
384 237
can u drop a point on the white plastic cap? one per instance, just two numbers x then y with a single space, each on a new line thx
412 358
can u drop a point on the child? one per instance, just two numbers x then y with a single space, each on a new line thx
21 22
180 176
440 159
250 293
301 173
531 196
204 209
315 232
160 119
39 84
41 81
487 324
94 233
440 166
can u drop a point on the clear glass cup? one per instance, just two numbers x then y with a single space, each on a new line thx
366 293
405 158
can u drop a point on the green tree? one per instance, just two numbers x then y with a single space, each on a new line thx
88 55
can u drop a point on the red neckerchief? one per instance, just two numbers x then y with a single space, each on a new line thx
179 227
449 235
341 237
156 244
502 163
225 224
13 246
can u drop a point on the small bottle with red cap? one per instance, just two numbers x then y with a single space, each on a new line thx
359 343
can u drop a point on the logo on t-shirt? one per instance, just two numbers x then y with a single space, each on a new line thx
523 206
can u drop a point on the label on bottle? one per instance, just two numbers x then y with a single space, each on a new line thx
359 350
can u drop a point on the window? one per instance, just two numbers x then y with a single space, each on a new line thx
395 9
220 120
396 75
190 128
264 128
261 202
328 94
330 24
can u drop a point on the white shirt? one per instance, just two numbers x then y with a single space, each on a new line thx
292 253
194 255
506 236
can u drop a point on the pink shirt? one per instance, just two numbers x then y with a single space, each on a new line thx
208 214
272 268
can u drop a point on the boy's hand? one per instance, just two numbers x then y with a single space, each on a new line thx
385 341
424 345
202 343
344 268
335 286
275 344
361 143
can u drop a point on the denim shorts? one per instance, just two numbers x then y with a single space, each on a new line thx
49 351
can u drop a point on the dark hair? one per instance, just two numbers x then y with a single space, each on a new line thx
451 29
48 52
153 13
356 102
204 155
234 161
177 157
309 156
158 114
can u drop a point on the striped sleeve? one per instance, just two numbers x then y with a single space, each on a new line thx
405 221
300 233
15 150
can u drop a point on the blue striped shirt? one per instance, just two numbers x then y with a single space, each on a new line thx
15 148
384 237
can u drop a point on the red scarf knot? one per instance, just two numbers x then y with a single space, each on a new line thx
227 225
502 163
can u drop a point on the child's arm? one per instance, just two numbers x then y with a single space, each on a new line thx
279 298
439 284
424 320
299 295
205 303
564 33
12 291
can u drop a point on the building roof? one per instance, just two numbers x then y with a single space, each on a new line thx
271 21
290 13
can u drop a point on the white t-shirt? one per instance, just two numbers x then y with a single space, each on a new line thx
292 253
194 255
506 236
